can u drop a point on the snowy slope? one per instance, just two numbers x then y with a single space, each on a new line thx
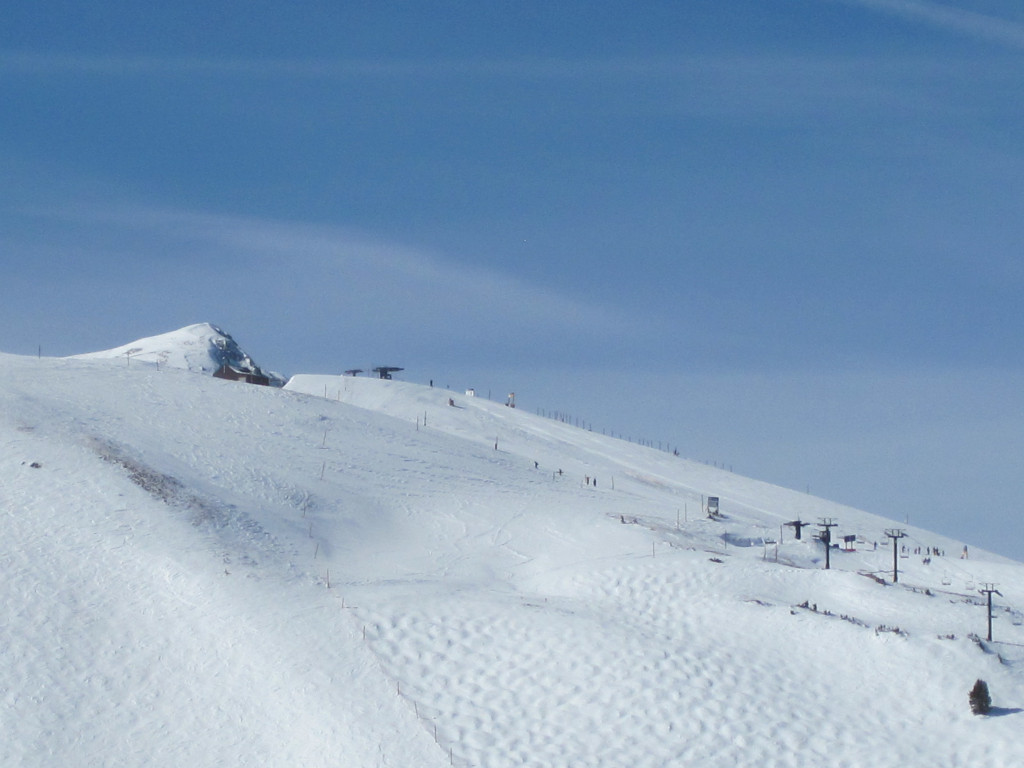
201 348
352 572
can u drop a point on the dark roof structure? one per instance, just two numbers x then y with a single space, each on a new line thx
231 373
385 371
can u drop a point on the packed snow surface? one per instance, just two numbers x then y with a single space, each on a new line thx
354 572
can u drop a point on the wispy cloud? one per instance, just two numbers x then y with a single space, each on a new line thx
30 62
748 86
106 65
347 278
966 22
627 68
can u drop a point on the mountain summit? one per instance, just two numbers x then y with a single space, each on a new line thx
201 348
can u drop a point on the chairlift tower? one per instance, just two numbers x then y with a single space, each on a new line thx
827 524
798 525
989 589
895 534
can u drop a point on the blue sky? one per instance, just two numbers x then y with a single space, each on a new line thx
783 236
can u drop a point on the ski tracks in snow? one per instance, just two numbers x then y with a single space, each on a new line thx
649 665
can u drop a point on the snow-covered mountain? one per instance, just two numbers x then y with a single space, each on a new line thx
200 348
356 572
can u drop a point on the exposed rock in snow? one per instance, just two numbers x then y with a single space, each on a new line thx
201 348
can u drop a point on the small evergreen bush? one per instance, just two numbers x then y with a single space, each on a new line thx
981 702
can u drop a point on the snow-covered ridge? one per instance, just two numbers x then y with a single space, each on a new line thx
200 348
357 572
